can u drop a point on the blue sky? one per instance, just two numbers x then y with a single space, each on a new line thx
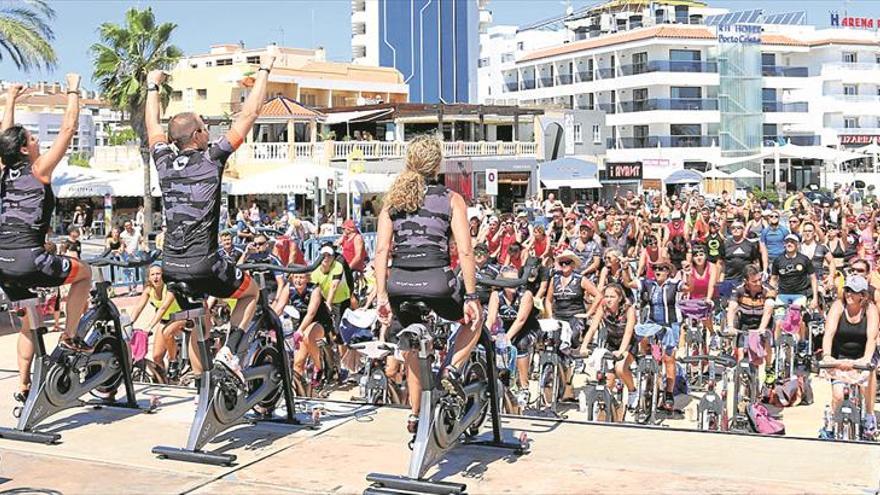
303 23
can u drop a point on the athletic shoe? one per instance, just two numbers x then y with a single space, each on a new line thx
870 427
228 360
668 402
412 424
173 370
451 383
632 400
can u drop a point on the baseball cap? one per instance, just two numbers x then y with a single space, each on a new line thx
856 283
327 250
792 238
348 224
481 247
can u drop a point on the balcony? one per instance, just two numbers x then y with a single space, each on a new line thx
857 98
585 76
668 66
527 84
778 106
662 142
546 82
796 140
784 71
511 86
668 104
276 152
608 73
609 108
564 78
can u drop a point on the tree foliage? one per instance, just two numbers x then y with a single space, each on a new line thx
25 34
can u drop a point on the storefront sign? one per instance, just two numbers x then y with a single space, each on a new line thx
858 139
492 181
656 162
739 34
623 171
854 22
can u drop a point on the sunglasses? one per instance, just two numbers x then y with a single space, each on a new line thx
773 216
261 244
851 292
566 263
661 270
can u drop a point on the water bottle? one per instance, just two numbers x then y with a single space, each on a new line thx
826 418
125 323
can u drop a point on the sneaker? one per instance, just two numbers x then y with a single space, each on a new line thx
632 400
173 370
870 427
228 360
22 395
412 423
451 383
668 402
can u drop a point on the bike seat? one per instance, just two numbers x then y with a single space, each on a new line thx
415 307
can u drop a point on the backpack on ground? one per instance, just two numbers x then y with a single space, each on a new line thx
762 422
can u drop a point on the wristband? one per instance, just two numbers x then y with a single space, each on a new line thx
473 296
152 87
71 92
268 70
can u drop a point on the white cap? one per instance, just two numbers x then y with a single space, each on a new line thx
327 250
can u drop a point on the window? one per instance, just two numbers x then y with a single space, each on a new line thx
850 123
483 62
850 57
506 57
209 64
640 62
520 45
597 134
176 95
681 92
684 55
768 94
640 136
578 135
877 58
685 135
201 94
224 61
254 59
768 59
309 100
850 89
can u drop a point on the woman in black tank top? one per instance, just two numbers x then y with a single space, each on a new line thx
26 208
851 338
516 310
419 219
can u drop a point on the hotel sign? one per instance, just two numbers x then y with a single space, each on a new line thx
854 22
739 34
623 171
858 139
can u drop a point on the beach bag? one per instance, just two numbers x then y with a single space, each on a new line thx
761 421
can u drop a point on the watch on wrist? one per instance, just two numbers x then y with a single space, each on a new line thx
152 87
268 70
473 296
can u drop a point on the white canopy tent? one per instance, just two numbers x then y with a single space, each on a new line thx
745 173
715 173
272 182
372 183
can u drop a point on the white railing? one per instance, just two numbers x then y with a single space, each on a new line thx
266 151
857 98
373 150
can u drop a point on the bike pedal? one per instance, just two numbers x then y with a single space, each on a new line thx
16 411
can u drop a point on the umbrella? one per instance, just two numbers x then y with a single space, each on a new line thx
745 173
716 174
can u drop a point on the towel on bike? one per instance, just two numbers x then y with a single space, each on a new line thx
666 336
755 346
551 325
357 325
698 309
138 345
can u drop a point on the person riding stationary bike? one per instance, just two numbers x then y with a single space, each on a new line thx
419 218
190 174
314 320
157 295
27 204
516 310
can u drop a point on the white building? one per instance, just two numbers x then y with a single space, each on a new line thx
501 46
672 100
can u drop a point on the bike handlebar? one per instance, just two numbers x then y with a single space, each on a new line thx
294 269
857 367
136 262
508 283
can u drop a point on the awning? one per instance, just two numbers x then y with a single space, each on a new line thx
131 183
588 183
79 182
272 182
356 116
372 183
570 172
684 176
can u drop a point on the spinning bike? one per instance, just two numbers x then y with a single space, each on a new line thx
98 366
443 420
266 369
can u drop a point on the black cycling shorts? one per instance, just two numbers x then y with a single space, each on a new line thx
29 268
213 276
439 288
525 341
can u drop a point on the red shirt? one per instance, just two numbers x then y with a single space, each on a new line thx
348 251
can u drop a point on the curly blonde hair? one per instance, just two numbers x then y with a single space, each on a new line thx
423 158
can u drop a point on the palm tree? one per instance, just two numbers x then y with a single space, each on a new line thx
122 59
25 33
